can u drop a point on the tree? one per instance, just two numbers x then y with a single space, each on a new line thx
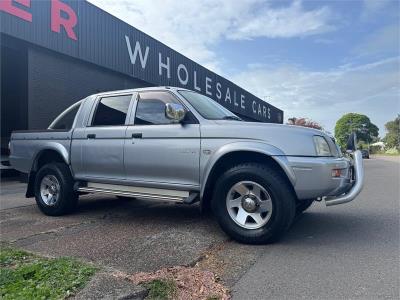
392 138
361 124
305 122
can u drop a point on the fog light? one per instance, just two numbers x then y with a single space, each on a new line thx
336 172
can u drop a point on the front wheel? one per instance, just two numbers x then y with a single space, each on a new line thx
253 203
54 191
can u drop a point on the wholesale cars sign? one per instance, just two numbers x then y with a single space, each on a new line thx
81 30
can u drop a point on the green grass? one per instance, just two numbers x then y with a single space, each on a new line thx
161 289
27 276
213 298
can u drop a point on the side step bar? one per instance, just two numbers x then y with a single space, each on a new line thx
140 192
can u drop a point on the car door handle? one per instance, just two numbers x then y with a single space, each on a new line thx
91 136
137 135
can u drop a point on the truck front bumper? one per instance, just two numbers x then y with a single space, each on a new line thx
313 178
357 182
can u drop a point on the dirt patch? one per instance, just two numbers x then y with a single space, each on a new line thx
228 260
210 260
192 283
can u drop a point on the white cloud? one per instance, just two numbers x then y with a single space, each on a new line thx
382 41
286 22
193 27
372 89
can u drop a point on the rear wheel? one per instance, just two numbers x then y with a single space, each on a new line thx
54 191
253 203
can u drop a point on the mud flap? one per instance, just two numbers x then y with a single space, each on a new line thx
30 190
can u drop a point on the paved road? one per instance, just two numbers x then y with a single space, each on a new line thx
347 251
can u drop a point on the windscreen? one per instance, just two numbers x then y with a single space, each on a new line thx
208 108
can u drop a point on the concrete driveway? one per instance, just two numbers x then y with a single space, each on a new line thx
348 251
128 235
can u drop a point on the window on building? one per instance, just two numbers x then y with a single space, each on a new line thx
112 111
151 108
65 120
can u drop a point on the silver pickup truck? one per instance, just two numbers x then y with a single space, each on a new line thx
173 144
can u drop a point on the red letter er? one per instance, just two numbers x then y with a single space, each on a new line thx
7 6
57 21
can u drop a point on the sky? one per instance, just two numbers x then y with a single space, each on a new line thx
314 59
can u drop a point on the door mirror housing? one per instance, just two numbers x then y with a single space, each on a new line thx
175 112
352 142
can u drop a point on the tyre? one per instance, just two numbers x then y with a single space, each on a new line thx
125 198
303 205
253 203
54 191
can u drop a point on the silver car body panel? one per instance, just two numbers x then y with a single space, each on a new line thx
25 147
314 175
214 149
165 153
181 157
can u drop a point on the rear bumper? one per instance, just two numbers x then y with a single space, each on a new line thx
313 178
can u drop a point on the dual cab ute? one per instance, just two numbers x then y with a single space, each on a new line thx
177 145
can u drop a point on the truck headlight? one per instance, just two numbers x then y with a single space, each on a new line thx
321 146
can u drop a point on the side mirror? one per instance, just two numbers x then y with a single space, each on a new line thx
352 143
175 112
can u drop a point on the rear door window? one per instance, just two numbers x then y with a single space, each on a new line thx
112 111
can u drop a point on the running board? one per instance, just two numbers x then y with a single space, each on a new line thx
140 192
